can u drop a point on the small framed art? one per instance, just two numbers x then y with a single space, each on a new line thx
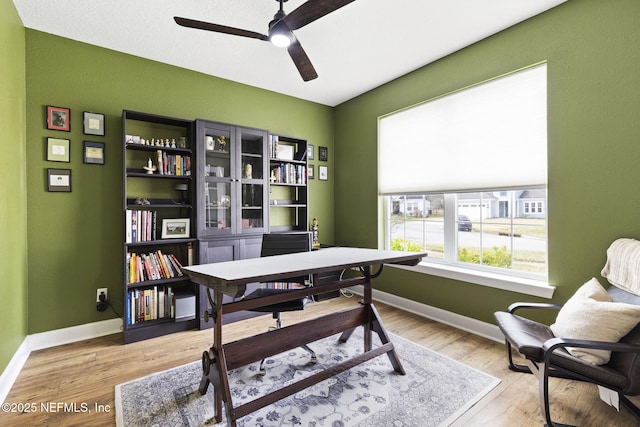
311 172
93 123
94 152
310 152
59 180
323 154
58 150
323 173
58 118
175 228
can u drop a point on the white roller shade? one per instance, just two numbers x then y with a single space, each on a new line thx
492 135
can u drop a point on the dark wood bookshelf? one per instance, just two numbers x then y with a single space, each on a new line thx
162 200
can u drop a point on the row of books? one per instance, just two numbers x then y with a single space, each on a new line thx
173 164
288 173
273 146
283 285
152 266
154 303
140 226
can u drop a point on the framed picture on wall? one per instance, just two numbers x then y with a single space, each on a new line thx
323 154
93 123
58 150
323 173
311 172
58 118
59 180
310 152
94 152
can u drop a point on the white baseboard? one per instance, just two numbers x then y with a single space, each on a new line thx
474 326
53 338
74 333
11 372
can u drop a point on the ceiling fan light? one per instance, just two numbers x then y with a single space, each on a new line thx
280 39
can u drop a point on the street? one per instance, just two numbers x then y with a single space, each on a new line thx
430 231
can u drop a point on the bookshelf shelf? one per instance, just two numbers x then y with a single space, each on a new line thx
158 282
151 275
161 242
288 184
136 173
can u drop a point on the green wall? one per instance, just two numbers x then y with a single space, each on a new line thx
13 199
75 238
594 144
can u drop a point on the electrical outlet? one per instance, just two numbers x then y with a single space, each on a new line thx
100 291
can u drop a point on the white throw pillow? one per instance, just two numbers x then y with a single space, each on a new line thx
591 314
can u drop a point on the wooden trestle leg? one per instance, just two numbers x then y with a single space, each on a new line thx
219 359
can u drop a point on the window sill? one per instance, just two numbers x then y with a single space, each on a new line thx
499 281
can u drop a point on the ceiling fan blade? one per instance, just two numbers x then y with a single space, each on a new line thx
200 25
302 61
312 10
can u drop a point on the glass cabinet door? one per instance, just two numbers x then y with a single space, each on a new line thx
218 214
252 188
252 207
233 197
217 153
217 150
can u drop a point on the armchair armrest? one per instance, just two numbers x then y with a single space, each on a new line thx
533 305
554 343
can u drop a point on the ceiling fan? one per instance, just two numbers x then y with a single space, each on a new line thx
280 30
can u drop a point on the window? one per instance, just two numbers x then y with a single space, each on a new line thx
490 229
464 176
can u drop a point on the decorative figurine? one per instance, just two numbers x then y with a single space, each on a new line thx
150 168
248 170
222 143
315 233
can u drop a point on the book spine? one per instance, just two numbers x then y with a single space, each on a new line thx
164 164
160 167
128 226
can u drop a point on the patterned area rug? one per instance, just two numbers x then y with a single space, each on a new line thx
435 391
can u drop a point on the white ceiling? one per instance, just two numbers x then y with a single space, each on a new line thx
354 49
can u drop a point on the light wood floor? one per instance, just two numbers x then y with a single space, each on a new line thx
86 373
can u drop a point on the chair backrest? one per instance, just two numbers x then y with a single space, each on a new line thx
287 243
281 243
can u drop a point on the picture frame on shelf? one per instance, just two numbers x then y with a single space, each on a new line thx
210 143
323 154
311 172
177 228
93 123
310 152
58 118
59 180
323 173
94 152
285 152
58 150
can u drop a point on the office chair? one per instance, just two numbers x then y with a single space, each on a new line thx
280 244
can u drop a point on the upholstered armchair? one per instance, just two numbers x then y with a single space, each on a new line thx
595 337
